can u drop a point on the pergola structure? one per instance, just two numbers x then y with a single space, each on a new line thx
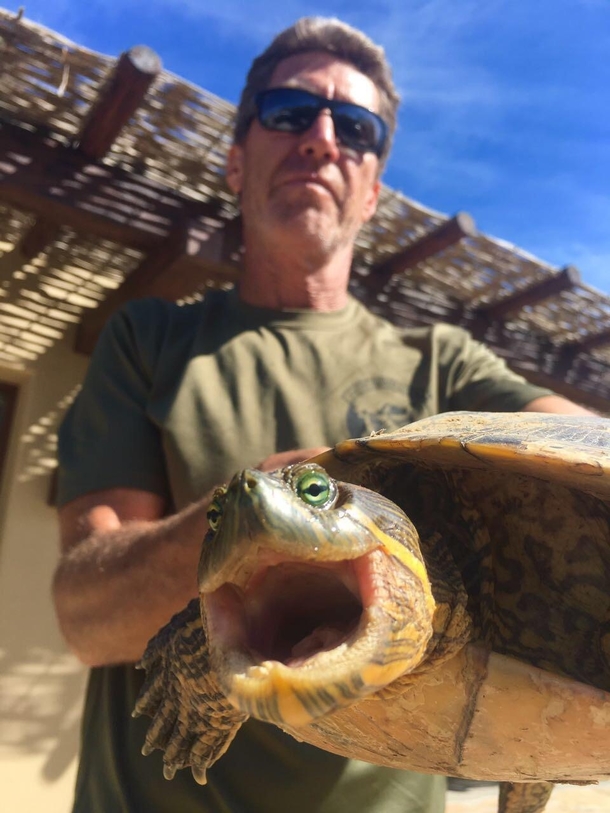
112 188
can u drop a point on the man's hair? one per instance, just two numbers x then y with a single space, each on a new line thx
329 36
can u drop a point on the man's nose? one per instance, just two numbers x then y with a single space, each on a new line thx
320 140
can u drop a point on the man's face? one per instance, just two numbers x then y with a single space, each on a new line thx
306 190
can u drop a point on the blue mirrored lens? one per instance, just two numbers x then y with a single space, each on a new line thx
292 110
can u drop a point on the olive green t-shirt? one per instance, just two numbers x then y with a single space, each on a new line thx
176 399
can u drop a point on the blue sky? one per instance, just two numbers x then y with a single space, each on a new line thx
506 105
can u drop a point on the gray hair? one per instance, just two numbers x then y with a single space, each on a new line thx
329 36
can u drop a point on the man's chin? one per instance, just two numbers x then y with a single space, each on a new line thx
311 235
308 221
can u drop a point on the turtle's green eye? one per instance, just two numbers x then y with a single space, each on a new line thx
315 488
214 513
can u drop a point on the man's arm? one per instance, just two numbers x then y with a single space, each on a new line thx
124 570
555 403
474 378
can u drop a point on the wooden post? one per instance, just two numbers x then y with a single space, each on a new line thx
129 82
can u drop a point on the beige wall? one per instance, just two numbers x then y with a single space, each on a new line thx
40 683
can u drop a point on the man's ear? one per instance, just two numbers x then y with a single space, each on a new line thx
235 169
370 202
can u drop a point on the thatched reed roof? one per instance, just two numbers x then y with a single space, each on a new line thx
111 187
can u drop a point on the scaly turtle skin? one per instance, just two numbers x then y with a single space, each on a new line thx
435 598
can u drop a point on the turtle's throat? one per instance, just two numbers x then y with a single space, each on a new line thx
298 610
287 612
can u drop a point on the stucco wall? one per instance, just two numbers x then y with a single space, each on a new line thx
41 684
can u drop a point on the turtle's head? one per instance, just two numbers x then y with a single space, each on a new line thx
314 593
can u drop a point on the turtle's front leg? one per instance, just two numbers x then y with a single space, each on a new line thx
192 720
524 797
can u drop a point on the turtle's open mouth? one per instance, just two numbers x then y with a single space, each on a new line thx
293 640
296 610
287 612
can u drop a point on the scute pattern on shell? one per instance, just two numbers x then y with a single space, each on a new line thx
534 557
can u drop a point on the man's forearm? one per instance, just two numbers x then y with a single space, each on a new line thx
115 589
556 403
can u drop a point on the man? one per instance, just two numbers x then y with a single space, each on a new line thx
177 399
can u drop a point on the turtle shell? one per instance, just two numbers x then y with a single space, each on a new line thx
522 501
510 514
568 450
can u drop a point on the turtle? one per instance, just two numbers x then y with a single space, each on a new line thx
434 598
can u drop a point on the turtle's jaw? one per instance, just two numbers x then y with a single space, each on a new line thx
309 608
299 640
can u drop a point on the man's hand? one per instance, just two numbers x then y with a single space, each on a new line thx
281 459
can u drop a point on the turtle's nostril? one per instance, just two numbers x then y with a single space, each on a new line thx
249 480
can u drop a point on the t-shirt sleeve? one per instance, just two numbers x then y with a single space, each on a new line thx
107 439
475 378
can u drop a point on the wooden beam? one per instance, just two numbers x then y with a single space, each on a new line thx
123 93
41 176
118 100
444 236
565 280
193 254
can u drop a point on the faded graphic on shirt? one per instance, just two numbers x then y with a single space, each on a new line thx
376 403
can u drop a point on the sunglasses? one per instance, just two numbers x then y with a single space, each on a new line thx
292 110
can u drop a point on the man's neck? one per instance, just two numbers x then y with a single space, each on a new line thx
284 283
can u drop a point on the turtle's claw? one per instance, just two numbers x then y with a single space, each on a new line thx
199 775
169 771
